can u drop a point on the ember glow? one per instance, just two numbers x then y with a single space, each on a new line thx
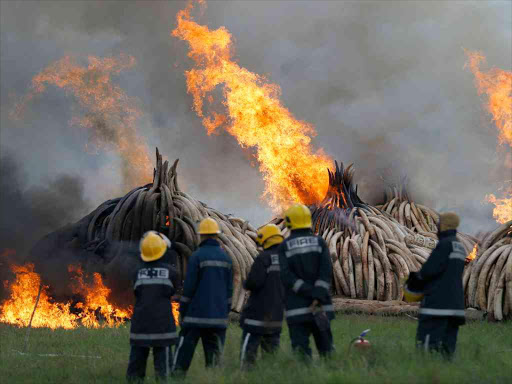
109 114
254 115
496 84
93 312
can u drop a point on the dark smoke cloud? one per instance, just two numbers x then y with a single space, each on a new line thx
383 82
30 212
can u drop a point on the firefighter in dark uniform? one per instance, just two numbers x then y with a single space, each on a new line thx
152 324
439 287
206 300
262 318
306 273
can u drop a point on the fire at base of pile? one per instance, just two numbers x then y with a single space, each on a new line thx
106 242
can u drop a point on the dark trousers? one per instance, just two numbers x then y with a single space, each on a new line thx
251 342
162 358
300 333
438 334
213 345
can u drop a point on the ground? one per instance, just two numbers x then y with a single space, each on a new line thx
484 355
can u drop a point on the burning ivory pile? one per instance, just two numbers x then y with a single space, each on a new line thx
373 250
488 278
163 206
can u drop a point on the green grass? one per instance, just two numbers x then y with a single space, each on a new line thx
484 355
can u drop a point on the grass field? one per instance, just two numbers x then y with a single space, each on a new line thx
484 356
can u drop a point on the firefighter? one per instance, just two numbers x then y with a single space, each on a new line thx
306 273
440 281
152 324
262 318
206 300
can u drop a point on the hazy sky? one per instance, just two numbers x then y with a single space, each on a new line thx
383 82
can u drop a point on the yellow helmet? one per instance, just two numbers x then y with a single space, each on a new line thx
208 226
298 216
269 235
153 246
411 296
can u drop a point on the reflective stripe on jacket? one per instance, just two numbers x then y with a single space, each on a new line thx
152 322
442 278
306 273
263 313
206 299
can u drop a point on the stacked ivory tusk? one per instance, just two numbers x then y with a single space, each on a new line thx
417 217
488 278
164 207
370 256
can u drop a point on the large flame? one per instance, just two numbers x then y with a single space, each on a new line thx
254 115
18 308
496 84
109 114
93 312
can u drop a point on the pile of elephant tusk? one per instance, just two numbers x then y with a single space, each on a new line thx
163 206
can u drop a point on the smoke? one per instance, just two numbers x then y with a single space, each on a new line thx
30 212
383 82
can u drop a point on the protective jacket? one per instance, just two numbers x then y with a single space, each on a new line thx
208 288
264 311
152 323
441 276
306 273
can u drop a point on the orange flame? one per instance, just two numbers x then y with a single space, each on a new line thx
254 116
472 255
96 301
110 115
502 211
176 312
497 85
17 310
